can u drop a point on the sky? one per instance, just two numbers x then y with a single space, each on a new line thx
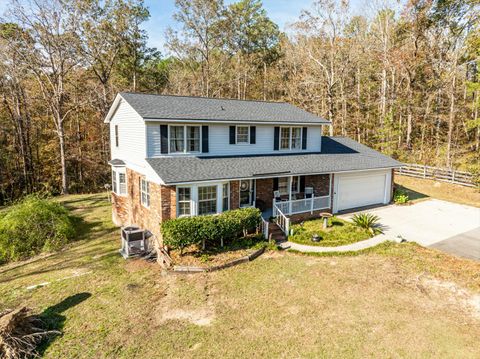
282 12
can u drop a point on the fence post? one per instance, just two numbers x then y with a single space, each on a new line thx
311 203
425 171
453 176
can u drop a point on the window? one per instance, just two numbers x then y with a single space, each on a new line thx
177 138
184 139
285 138
243 134
144 192
283 185
184 201
290 138
114 181
296 138
116 135
193 139
122 184
119 182
225 199
207 200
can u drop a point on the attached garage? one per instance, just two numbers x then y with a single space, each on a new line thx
359 189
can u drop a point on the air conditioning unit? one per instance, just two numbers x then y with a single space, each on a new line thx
133 242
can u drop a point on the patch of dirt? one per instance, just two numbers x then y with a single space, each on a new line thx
205 260
195 307
135 265
461 298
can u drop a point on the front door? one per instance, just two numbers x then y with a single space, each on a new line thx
247 193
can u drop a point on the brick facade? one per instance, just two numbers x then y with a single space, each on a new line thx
128 210
234 194
264 191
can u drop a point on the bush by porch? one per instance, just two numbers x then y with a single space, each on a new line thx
210 231
338 233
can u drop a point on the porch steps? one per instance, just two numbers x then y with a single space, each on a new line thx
276 233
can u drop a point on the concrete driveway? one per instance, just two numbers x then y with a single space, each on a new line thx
447 226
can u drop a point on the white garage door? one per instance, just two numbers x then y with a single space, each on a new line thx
358 190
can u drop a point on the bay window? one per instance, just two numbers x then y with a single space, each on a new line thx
119 181
207 200
226 197
184 139
184 201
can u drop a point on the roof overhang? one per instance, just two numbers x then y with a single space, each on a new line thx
186 120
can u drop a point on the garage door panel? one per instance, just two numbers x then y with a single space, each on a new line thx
361 190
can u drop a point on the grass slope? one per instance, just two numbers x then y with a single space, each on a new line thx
396 300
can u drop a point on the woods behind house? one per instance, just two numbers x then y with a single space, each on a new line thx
402 79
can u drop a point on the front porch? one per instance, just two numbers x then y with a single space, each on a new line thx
286 199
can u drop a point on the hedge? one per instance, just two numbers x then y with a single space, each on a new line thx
182 232
32 226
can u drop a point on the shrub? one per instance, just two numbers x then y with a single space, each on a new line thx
180 233
400 196
368 221
32 226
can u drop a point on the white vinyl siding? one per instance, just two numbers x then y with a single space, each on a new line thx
131 135
219 140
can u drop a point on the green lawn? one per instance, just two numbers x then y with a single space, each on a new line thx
392 301
338 233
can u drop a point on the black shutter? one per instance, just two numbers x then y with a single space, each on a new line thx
164 138
205 139
304 138
302 183
253 133
276 138
275 184
232 135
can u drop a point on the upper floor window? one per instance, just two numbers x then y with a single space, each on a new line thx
144 192
184 139
116 135
290 138
243 134
119 182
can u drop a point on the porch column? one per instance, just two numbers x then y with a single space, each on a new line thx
290 180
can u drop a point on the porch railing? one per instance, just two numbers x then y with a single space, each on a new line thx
265 228
281 219
303 205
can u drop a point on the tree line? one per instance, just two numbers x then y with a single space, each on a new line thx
401 79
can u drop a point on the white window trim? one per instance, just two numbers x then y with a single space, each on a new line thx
190 202
289 185
208 200
194 202
147 193
236 135
290 139
185 139
118 171
228 195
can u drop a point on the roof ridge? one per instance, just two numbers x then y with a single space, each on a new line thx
202 97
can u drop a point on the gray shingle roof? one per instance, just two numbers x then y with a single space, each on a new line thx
201 108
338 154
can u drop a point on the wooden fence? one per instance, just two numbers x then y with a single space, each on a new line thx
438 174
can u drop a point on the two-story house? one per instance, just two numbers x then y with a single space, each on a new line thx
176 156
